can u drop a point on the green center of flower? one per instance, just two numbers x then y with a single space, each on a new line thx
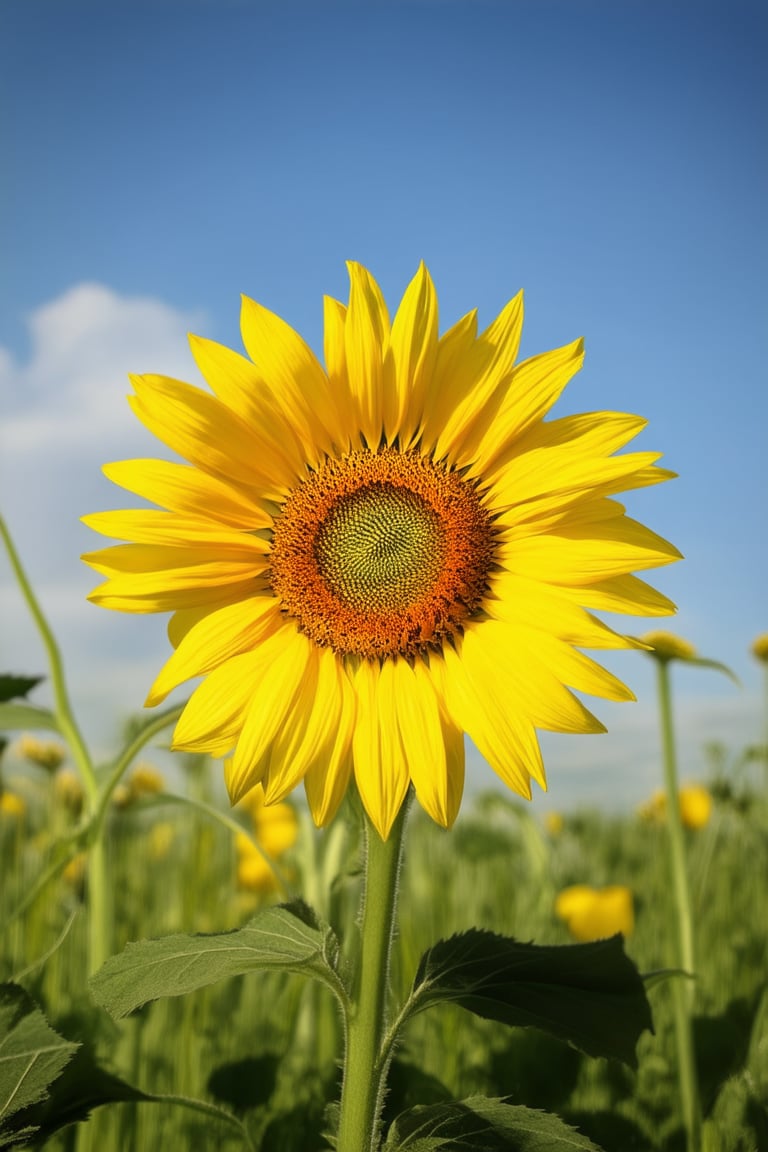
381 548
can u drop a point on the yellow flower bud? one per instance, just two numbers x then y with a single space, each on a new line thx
667 646
695 805
145 780
45 753
12 806
68 791
554 823
760 647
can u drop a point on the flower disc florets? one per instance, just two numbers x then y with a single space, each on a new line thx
381 554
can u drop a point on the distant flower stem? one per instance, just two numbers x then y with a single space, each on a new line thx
99 918
365 1062
682 989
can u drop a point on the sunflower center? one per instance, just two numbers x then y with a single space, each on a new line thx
381 554
381 548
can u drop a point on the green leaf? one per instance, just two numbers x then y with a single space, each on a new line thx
16 687
701 662
14 717
481 1123
588 994
32 1055
287 937
82 1086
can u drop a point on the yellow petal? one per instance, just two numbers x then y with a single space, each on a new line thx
335 316
481 391
527 602
421 731
219 636
287 667
298 384
238 384
188 491
214 712
208 434
584 553
328 776
529 393
311 729
627 594
381 771
414 351
505 738
366 342
148 526
545 479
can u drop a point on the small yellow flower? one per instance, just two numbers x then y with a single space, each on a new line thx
44 753
122 796
760 647
594 913
554 823
145 780
695 805
74 873
253 872
654 811
12 806
275 825
68 790
161 837
667 646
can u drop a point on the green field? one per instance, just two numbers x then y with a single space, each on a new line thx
266 1046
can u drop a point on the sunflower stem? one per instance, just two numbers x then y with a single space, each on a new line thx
682 990
99 910
366 1061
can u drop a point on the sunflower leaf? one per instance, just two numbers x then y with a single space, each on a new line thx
16 687
480 1122
32 1056
287 937
590 995
15 716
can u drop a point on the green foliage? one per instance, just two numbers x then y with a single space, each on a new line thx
492 1125
32 1055
16 716
588 994
16 713
17 687
287 938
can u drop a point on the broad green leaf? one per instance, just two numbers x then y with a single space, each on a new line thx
16 687
82 1086
492 1125
588 994
15 717
287 937
32 1055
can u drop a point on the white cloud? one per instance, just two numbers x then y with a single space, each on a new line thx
64 415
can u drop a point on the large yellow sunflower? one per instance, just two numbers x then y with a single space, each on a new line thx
366 561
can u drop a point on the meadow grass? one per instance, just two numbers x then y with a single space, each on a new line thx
266 1046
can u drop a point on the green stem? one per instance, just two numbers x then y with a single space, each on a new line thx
365 1063
99 908
682 990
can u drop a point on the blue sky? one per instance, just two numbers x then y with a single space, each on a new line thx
608 158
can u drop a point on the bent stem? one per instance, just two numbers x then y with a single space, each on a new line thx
682 990
99 918
365 1060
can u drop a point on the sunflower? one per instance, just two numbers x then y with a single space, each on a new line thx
367 560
